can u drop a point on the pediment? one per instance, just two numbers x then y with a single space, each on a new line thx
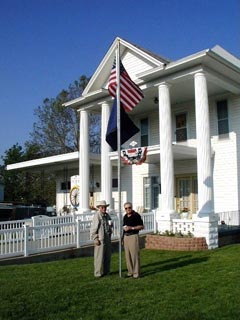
135 59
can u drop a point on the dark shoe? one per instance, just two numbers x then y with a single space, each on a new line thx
128 276
98 277
134 277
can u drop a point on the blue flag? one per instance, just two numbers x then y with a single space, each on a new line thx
128 128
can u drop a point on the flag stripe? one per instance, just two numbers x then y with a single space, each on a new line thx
134 92
130 93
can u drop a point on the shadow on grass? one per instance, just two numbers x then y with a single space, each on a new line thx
169 264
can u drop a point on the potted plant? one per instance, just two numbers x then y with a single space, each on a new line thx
184 213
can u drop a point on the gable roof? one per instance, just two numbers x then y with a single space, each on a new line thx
134 58
145 67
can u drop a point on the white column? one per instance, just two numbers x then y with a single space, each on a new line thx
205 180
84 162
166 151
206 222
106 167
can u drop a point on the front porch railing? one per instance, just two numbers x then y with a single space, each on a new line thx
227 220
183 226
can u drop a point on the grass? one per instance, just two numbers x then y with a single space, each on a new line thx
174 285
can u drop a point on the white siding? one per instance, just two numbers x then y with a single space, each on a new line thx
226 159
185 167
134 64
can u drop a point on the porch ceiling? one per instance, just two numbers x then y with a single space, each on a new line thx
180 152
180 92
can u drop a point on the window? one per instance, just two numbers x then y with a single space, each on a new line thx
114 183
65 186
181 127
222 115
144 132
152 190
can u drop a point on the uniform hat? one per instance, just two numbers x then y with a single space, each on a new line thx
102 203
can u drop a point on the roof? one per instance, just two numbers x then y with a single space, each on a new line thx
145 67
53 162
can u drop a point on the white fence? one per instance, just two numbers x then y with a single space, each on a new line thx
42 234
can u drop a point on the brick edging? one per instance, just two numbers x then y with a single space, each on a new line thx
158 242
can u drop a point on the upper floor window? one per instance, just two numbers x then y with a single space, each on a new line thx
181 127
222 115
144 132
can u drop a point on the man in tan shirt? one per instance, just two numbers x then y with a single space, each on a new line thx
100 233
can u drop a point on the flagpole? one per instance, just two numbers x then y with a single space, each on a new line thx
119 154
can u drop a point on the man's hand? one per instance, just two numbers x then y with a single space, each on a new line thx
97 242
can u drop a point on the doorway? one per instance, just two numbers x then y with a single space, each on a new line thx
186 193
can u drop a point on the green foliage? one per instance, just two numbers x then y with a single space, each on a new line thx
22 186
13 180
179 234
13 155
174 285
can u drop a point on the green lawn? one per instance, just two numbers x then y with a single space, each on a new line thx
174 285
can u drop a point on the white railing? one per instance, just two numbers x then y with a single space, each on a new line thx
10 225
12 242
183 226
229 219
42 234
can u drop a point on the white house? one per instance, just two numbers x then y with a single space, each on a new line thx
189 121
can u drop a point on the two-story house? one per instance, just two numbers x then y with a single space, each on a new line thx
189 122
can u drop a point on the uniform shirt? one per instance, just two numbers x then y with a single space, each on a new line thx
100 228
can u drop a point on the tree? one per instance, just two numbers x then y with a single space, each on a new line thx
13 181
22 186
56 130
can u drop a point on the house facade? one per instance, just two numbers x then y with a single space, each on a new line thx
188 119
189 122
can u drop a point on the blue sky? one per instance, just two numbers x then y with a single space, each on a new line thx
47 44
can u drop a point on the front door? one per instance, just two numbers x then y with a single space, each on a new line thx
186 193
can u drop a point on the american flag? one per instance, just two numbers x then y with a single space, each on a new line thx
130 93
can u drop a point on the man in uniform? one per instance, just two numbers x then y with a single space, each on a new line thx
100 233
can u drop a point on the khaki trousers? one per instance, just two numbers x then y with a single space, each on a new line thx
102 258
132 255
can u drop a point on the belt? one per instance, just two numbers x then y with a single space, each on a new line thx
130 234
